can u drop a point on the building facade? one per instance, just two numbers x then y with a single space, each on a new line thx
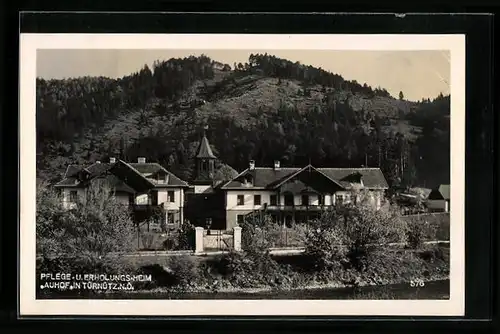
292 195
144 187
439 199
287 194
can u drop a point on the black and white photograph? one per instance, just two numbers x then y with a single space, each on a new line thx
277 174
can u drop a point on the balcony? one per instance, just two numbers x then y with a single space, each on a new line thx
297 207
146 207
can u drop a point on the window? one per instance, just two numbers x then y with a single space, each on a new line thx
161 178
305 200
321 200
339 199
289 199
240 219
256 199
73 194
241 200
142 199
347 198
171 196
170 218
274 200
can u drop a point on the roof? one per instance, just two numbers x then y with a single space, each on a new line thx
268 177
152 168
204 150
442 192
139 176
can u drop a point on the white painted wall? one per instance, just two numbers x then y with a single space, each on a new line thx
232 199
329 199
178 198
121 198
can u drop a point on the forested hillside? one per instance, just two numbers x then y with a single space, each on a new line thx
265 109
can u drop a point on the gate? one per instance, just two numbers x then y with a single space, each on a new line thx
218 240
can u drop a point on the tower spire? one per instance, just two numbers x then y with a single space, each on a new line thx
204 132
205 159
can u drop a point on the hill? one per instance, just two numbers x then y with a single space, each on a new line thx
266 109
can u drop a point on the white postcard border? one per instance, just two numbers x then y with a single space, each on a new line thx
29 306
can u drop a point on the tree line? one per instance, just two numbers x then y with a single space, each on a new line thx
331 133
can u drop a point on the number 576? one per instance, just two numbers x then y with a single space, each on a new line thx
417 283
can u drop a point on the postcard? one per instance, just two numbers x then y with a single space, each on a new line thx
234 175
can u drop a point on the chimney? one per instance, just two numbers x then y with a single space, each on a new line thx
251 165
276 164
112 160
141 160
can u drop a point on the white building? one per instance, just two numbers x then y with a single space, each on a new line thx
297 194
141 185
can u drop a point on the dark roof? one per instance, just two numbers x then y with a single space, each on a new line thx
117 184
131 176
371 177
152 168
204 150
136 175
268 177
442 192
71 170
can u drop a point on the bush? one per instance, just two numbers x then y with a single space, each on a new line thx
246 270
170 243
349 235
261 233
149 240
418 231
435 254
184 270
88 238
185 237
257 234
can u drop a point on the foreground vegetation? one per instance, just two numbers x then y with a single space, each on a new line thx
347 246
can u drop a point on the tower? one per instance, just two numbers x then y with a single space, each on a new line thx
205 162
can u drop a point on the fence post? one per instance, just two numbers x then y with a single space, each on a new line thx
198 239
237 238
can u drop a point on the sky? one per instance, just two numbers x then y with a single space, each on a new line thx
418 74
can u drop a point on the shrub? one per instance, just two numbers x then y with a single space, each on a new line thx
257 234
261 233
88 238
418 231
171 242
324 245
184 270
149 240
435 254
244 270
350 234
185 237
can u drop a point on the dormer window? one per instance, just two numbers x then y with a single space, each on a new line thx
162 178
247 180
